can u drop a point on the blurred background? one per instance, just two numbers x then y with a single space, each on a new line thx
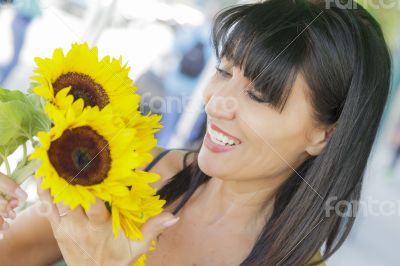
167 44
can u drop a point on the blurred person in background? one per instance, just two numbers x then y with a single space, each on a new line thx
193 48
25 12
176 82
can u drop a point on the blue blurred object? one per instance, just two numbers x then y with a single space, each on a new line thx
26 11
182 79
27 8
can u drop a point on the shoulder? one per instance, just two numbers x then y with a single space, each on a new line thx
169 165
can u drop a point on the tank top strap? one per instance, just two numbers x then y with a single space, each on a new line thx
156 159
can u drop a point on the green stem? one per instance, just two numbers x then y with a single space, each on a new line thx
25 153
7 164
32 141
21 174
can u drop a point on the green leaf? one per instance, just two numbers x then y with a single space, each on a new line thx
11 95
22 116
12 114
39 121
11 146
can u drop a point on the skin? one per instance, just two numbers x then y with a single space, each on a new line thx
10 197
225 214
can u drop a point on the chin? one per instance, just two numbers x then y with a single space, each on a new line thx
211 166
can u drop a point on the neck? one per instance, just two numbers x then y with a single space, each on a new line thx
246 202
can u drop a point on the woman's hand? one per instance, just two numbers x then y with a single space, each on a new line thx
86 238
11 195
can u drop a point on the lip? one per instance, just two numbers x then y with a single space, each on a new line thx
214 127
214 147
217 148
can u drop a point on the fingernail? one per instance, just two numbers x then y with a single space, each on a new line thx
21 195
39 181
171 222
5 226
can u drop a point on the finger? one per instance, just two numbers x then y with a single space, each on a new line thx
98 214
12 214
3 208
153 228
11 189
63 210
3 225
51 210
6 208
66 213
13 203
10 208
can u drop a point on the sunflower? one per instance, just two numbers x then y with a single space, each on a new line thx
98 82
88 153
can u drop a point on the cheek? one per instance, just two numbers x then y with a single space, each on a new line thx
272 146
277 139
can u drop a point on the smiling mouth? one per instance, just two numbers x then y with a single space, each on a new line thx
220 137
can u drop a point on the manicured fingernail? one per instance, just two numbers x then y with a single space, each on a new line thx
171 222
39 181
21 195
5 226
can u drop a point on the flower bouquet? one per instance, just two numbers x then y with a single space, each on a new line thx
90 138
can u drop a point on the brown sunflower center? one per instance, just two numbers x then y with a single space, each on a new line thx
82 86
81 156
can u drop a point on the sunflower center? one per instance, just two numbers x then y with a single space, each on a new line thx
81 156
82 86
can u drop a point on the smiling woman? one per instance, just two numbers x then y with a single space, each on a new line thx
309 80
292 113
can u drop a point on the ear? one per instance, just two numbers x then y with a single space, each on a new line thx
319 139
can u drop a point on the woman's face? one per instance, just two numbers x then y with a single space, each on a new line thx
266 143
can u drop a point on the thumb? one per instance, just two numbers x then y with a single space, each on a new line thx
156 225
11 189
152 229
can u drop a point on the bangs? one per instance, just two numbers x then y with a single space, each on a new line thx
266 46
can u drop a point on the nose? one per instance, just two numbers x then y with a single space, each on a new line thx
221 104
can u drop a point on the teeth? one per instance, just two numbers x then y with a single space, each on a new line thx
219 138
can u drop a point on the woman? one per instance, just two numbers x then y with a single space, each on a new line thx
292 113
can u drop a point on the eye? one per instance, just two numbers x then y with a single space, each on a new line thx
223 72
254 97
